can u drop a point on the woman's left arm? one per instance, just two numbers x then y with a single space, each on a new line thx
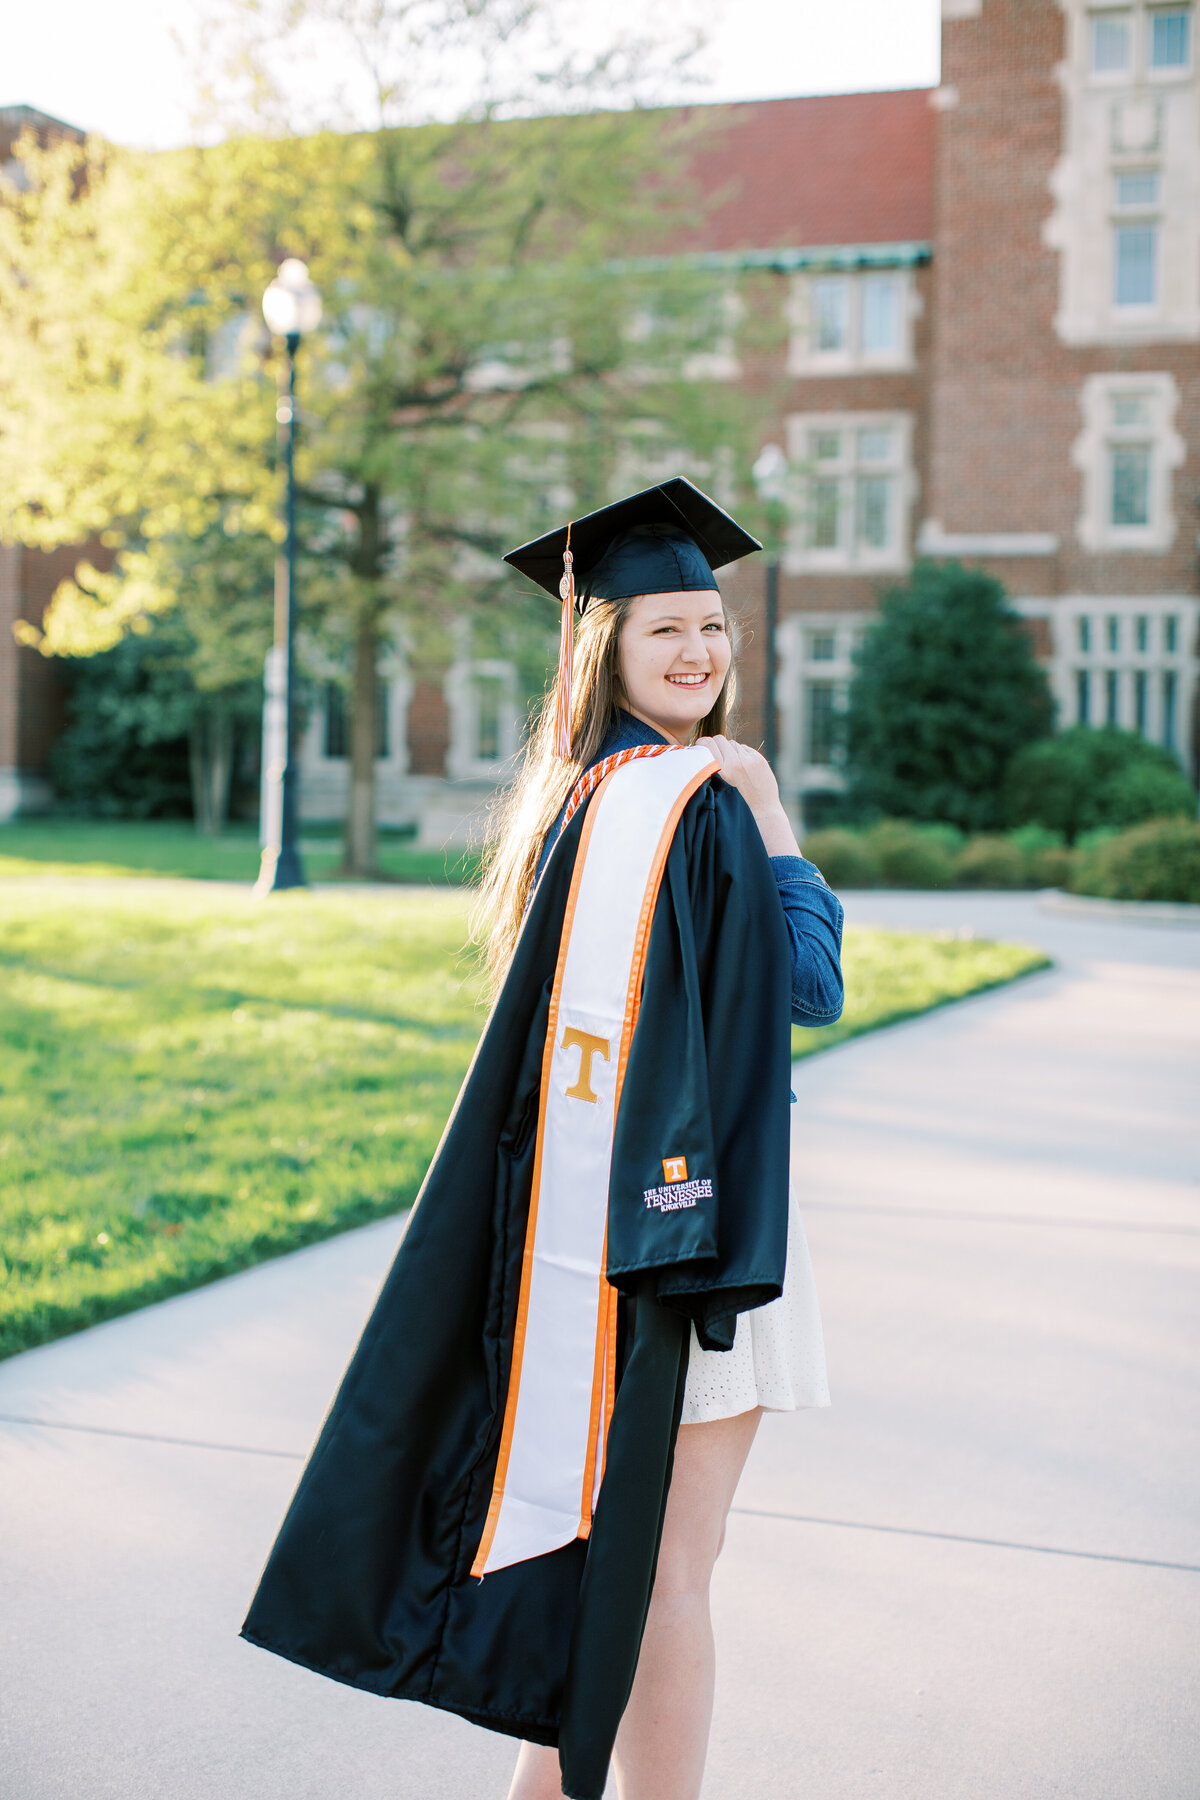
811 910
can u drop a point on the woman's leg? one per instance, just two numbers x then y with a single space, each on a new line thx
663 1738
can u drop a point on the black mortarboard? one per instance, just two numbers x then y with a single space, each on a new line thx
666 540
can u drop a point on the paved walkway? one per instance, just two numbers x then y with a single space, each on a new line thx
978 1575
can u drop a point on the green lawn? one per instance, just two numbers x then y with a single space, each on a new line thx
173 847
192 1080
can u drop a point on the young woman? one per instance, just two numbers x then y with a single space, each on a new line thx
515 1503
658 668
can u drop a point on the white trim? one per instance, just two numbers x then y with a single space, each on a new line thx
848 556
797 668
463 762
1090 455
1111 119
803 358
1067 658
932 540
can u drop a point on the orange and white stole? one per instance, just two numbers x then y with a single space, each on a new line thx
563 1374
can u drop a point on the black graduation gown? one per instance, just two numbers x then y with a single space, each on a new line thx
368 1581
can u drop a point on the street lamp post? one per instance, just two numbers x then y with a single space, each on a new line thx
291 306
770 478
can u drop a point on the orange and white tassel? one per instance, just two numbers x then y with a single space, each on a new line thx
566 657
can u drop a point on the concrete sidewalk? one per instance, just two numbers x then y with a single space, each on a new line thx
977 1575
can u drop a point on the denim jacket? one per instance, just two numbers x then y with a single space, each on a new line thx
811 910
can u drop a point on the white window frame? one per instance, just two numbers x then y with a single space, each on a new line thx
1068 660
848 557
1168 71
463 763
1128 310
1123 9
797 668
804 358
1092 456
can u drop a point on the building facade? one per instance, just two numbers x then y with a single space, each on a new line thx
989 295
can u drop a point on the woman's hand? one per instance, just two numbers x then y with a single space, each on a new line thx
751 774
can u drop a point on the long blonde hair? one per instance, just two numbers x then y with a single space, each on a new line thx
539 793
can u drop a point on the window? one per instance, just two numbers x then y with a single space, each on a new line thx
1170 705
335 736
1112 42
490 697
1137 188
857 320
1127 454
1135 265
1128 666
822 646
336 741
1131 409
881 324
1170 34
1131 484
831 314
821 713
1111 696
852 492
481 693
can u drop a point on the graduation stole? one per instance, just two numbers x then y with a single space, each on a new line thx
563 1374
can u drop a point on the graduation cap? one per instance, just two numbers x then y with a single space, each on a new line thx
664 540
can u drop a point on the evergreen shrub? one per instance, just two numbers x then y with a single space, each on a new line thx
991 862
1089 777
911 855
843 857
1159 860
1048 861
946 689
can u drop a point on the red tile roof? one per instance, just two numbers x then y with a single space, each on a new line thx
829 169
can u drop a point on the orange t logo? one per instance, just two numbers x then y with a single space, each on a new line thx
674 1168
587 1046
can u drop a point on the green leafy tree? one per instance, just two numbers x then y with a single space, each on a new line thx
946 689
1095 776
491 355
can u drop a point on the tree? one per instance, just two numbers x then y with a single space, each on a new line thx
1088 777
196 645
478 371
946 689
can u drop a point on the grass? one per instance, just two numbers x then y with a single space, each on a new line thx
192 1081
174 847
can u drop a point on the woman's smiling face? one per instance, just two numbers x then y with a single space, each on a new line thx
673 657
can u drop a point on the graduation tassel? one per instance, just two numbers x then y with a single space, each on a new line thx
566 656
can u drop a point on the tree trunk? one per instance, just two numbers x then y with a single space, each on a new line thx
210 764
360 856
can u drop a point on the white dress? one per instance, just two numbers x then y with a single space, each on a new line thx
778 1355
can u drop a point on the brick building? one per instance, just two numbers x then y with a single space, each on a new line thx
991 297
